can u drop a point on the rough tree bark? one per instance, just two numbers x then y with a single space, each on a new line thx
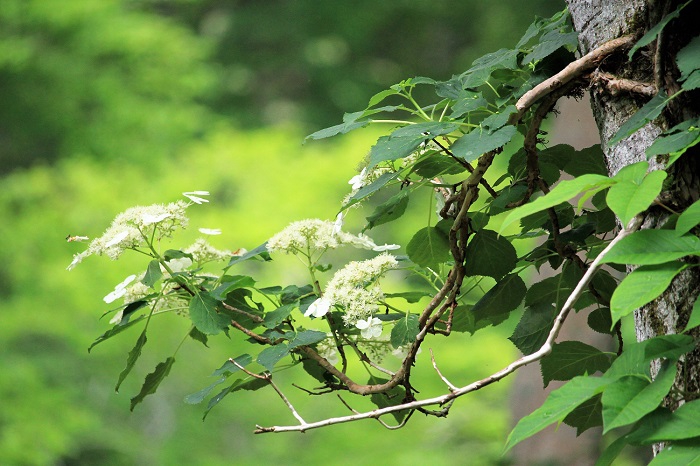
598 21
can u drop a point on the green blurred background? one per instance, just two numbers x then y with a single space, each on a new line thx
114 103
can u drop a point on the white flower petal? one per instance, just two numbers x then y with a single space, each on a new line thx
338 225
180 264
117 239
117 317
149 219
386 247
318 308
194 196
210 231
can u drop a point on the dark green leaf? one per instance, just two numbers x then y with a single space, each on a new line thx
371 188
229 367
153 274
534 327
404 141
489 254
468 101
600 320
272 355
404 331
171 254
307 337
556 407
629 398
549 43
153 380
688 58
230 283
586 415
199 396
500 300
237 385
409 296
349 124
677 139
554 290
204 315
131 359
390 398
437 165
689 219
470 146
498 120
117 329
429 247
274 318
199 336
650 111
569 359
390 210
650 247
589 160
651 34
642 286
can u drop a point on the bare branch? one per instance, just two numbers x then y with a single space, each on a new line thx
444 379
544 350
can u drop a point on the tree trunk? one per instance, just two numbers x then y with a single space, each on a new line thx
598 21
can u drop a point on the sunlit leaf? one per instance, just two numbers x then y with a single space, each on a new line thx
204 315
404 331
649 247
429 247
627 198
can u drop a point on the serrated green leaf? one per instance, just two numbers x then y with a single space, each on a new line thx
468 101
551 42
404 141
693 81
131 359
404 331
429 247
636 357
569 359
171 254
470 146
371 188
389 210
642 286
628 199
409 296
650 36
562 192
630 398
272 355
230 283
505 296
534 327
437 165
662 425
586 415
688 58
153 274
650 111
650 247
274 318
307 337
689 219
117 329
600 320
554 290
676 140
391 398
498 120
198 336
153 380
694 319
556 407
490 255
204 315
198 397
258 251
588 160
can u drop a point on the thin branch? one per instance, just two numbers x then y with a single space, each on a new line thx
447 382
615 85
544 350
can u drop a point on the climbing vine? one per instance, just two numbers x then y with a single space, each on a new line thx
440 150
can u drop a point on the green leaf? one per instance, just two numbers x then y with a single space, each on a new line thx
117 329
694 319
390 398
649 247
274 318
642 286
198 336
489 254
500 300
556 407
306 337
272 355
230 283
153 380
693 81
650 111
498 120
534 327
404 331
153 274
586 415
470 146
204 315
664 426
237 385
569 359
562 192
229 368
468 101
650 36
131 359
688 219
390 210
258 251
630 398
676 140
437 165
198 397
677 454
171 254
588 160
612 451
635 359
554 290
600 320
409 296
429 247
371 188
688 58
551 42
628 198
404 141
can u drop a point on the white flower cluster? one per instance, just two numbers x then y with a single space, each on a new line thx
203 252
307 236
354 288
130 228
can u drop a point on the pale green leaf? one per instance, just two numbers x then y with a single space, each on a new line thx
562 192
642 286
688 58
694 319
688 219
648 247
628 198
675 455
